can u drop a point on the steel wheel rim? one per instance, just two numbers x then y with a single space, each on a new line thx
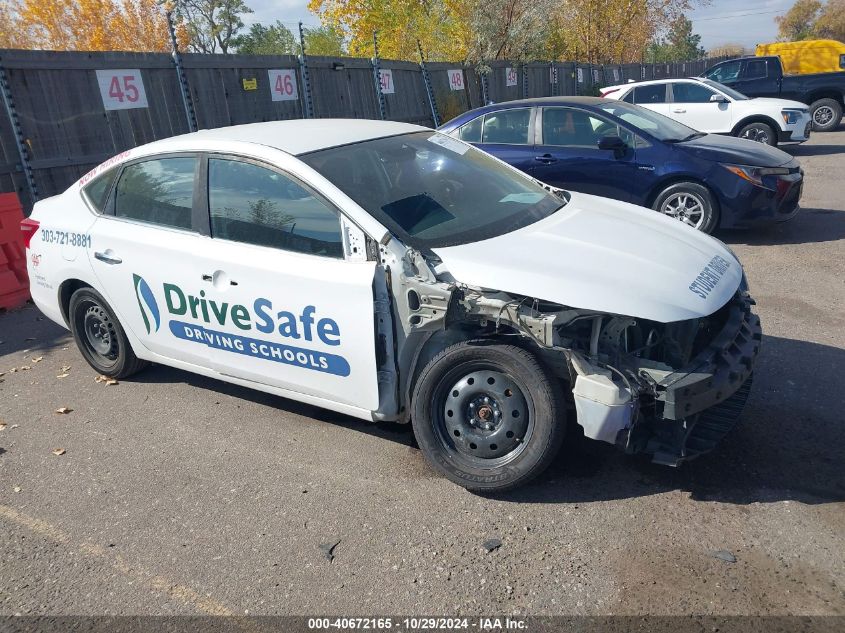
757 134
686 207
823 115
98 332
479 423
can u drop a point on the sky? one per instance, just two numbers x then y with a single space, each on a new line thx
720 22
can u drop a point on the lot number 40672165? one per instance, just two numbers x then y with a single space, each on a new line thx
122 89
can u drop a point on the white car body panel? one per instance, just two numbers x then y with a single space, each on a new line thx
643 266
721 118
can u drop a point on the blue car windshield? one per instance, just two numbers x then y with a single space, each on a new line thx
432 190
660 127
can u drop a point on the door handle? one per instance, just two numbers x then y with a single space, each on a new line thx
108 259
679 110
210 278
546 159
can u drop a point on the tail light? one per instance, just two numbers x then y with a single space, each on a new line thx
606 91
29 228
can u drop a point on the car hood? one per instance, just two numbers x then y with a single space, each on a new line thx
604 255
727 149
782 103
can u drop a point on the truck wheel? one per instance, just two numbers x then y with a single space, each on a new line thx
760 132
690 203
487 416
826 114
100 337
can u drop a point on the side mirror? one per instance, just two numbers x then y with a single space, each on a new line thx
613 143
718 99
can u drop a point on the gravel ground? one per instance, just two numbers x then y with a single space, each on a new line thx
178 494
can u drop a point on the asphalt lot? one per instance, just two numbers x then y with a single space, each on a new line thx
178 494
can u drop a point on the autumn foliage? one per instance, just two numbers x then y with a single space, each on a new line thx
90 25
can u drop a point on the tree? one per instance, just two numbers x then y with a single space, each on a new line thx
212 25
680 44
812 19
798 23
324 40
275 39
831 21
90 25
727 50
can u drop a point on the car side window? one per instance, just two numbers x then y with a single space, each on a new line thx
629 97
97 191
684 92
724 72
158 191
256 205
471 132
654 93
507 126
568 127
755 69
842 62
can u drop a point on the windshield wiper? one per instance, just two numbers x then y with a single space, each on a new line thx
686 138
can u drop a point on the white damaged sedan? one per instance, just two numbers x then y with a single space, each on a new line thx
390 272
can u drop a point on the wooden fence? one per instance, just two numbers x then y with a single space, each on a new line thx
66 112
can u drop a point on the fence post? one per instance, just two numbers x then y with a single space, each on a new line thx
308 110
524 80
435 115
485 93
377 77
20 141
187 102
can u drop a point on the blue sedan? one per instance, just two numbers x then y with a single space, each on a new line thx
619 150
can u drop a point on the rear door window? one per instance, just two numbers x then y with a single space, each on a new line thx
97 191
158 191
755 69
509 127
471 132
654 93
688 92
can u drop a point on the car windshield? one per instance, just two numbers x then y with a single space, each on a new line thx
733 94
660 127
432 190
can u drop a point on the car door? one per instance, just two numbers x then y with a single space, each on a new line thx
286 308
691 105
757 79
145 248
568 155
652 96
506 134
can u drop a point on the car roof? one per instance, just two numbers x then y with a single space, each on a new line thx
649 82
297 136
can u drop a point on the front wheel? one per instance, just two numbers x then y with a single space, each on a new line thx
689 202
99 335
487 416
826 114
760 132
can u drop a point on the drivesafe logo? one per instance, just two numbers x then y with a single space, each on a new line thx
147 304
197 312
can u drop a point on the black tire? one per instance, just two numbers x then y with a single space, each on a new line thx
825 114
99 335
523 406
759 132
690 203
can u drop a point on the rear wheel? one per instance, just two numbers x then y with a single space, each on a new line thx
690 203
760 132
487 416
826 114
100 337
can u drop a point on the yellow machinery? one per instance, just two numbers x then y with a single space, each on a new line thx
807 57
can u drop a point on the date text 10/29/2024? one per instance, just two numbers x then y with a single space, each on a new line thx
418 624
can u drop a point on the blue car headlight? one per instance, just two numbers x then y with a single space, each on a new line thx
754 175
